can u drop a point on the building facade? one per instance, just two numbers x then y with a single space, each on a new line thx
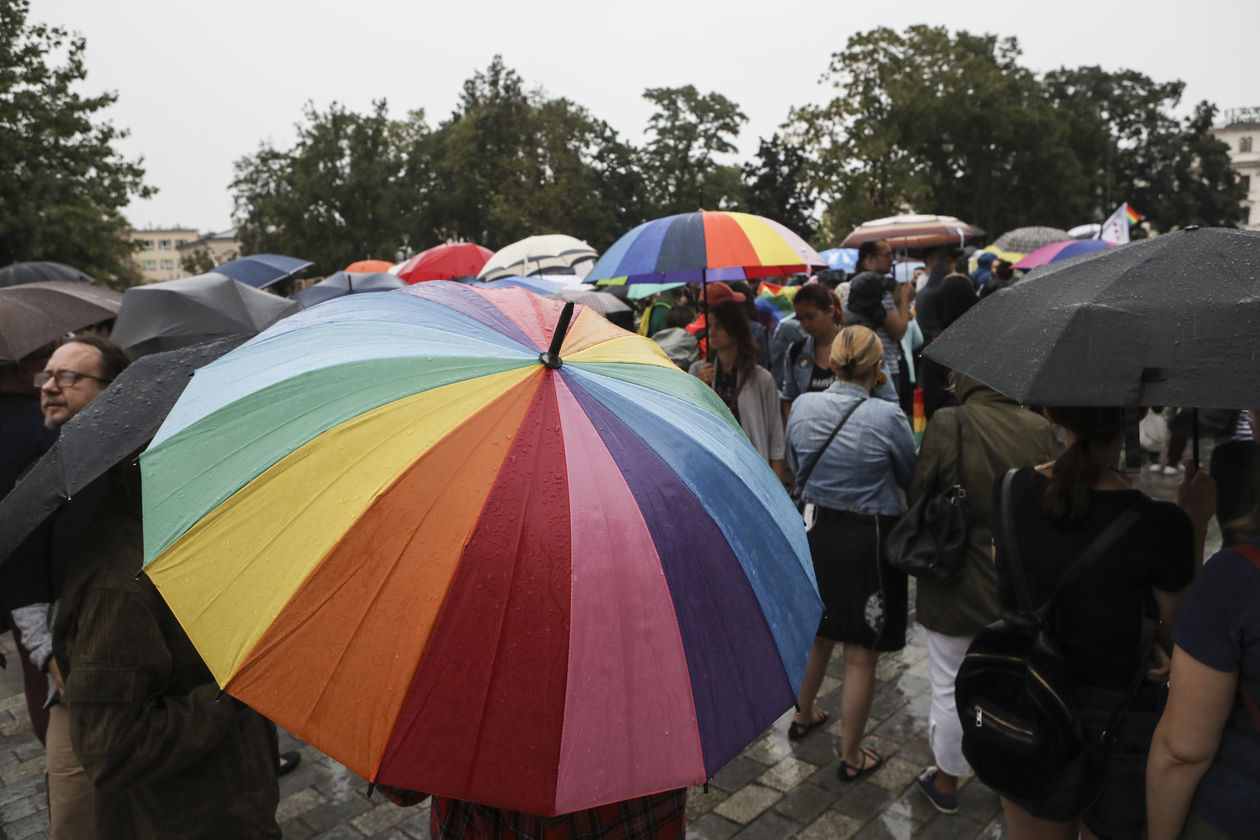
157 257
1241 132
210 250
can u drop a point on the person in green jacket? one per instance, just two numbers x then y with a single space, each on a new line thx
997 435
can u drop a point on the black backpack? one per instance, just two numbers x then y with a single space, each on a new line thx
1022 731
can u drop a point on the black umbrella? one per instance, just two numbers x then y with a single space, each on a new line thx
190 310
113 427
18 273
1164 321
33 314
347 283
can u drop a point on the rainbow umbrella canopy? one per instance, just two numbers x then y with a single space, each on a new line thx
704 246
467 551
1057 251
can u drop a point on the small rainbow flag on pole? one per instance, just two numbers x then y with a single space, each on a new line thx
1132 215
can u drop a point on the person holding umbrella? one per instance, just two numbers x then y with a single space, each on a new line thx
859 467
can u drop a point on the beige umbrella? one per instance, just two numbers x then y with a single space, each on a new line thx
539 255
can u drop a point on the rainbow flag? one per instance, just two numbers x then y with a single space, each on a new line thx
919 421
780 296
1132 215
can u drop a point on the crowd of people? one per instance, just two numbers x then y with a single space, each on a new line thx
140 743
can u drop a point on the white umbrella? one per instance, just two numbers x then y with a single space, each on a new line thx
538 255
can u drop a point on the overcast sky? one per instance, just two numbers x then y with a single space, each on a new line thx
202 84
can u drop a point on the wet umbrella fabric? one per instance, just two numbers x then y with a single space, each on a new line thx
33 314
368 267
1025 240
913 232
454 568
113 427
262 270
1164 321
346 283
18 273
445 262
616 311
537 255
190 310
540 285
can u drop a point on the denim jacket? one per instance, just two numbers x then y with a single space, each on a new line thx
796 375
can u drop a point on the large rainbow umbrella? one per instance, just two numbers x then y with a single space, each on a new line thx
1057 251
466 551
705 245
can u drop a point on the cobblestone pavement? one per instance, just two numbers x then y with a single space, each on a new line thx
774 789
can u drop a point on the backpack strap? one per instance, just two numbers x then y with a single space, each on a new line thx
803 478
958 415
794 350
1253 556
1110 535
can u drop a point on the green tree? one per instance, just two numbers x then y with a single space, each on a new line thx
775 186
338 195
688 131
62 183
933 121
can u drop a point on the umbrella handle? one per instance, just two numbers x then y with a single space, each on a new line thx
552 357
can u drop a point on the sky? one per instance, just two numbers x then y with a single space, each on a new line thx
201 85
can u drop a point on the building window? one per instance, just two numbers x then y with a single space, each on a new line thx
1245 180
1244 144
150 265
146 245
168 265
164 244
180 243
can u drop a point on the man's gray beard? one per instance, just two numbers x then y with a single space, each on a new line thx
50 423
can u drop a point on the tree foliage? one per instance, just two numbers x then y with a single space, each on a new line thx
62 183
776 186
688 131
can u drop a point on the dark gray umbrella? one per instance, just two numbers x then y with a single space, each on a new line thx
190 310
1164 321
347 283
113 427
1025 240
15 274
33 314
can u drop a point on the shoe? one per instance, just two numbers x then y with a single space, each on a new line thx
1171 470
946 803
849 773
1154 466
797 731
288 762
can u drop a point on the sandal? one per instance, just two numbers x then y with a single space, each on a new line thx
849 773
797 731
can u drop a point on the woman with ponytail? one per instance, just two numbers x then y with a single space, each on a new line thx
853 499
1057 510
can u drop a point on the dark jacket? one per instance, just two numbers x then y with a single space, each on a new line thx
997 435
167 759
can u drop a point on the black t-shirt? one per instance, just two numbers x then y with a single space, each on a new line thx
821 378
1098 620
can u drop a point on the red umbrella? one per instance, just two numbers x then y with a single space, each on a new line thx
444 262
368 267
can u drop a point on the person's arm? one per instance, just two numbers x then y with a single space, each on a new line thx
773 418
1185 741
125 725
898 318
32 625
1196 495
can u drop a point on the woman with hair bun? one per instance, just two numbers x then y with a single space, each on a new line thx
853 498
1057 510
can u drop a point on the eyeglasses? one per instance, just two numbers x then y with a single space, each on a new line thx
65 378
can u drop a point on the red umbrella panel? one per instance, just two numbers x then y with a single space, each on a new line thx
445 262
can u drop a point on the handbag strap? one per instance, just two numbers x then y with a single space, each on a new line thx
958 415
808 471
1092 552
1252 554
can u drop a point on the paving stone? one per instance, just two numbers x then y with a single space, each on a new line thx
917 751
341 832
29 750
818 748
947 827
27 828
787 774
738 772
746 804
25 770
417 822
902 727
11 812
914 804
768 826
889 668
298 803
832 825
889 826
771 748
995 829
700 803
711 827
382 817
295 830
325 817
829 685
895 775
978 802
804 802
33 787
392 834
863 802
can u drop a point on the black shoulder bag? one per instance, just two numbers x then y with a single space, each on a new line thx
930 539
1022 730
798 491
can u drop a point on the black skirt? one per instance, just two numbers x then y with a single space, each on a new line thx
865 598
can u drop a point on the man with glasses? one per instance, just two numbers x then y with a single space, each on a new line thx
74 375
878 301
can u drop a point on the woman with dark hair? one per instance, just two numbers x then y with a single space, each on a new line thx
1057 510
746 387
807 363
862 452
1204 766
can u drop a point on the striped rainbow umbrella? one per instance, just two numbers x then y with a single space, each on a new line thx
704 246
467 549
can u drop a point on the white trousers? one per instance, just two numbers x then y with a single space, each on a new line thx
945 654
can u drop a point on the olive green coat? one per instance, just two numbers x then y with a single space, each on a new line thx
997 435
